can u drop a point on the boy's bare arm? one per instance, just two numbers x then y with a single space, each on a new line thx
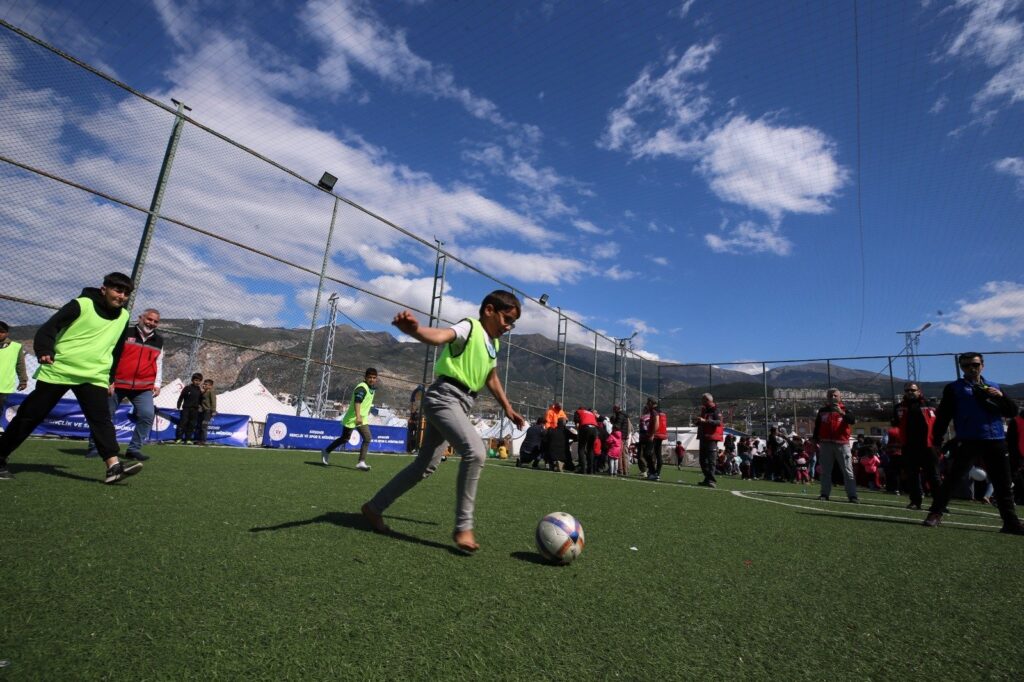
494 386
435 336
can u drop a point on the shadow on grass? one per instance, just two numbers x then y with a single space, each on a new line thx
74 451
853 516
49 469
358 522
531 558
321 465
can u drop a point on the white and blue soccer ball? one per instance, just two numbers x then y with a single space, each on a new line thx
560 538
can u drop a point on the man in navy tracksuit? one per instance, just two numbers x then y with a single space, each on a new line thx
977 409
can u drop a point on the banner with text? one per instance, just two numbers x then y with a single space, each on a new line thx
289 431
67 420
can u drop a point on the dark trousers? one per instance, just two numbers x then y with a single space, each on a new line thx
652 454
585 449
346 433
708 459
996 458
204 426
919 462
95 406
187 424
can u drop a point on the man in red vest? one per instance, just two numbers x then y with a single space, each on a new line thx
832 434
710 432
915 418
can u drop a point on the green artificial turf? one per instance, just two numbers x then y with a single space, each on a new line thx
226 563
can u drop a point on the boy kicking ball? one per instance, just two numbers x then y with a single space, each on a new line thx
466 365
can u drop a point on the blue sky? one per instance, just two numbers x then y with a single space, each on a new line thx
689 170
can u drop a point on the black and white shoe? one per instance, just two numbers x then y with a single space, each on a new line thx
5 474
119 472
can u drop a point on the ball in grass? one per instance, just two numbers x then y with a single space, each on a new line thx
560 538
978 474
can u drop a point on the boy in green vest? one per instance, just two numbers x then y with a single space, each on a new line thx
466 365
12 365
78 350
355 420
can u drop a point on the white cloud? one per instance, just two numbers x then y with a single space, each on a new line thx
684 8
746 367
380 261
993 34
997 314
605 250
670 104
352 34
939 105
588 227
756 163
748 237
660 260
1013 166
618 274
526 267
772 169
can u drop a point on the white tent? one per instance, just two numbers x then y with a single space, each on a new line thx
252 399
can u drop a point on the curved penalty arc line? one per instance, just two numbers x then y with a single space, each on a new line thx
754 496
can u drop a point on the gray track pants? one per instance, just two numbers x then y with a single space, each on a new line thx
829 452
446 409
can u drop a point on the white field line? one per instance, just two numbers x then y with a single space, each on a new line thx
753 495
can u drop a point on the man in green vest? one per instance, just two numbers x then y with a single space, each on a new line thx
355 419
78 350
12 365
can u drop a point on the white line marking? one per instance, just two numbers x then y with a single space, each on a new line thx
754 496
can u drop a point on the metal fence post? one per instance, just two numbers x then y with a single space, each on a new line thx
316 312
764 380
158 199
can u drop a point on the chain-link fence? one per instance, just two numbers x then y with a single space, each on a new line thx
256 267
754 396
253 266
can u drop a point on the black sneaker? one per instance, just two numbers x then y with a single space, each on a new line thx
5 474
823 498
854 500
119 471
933 520
913 505
1012 529
137 456
92 454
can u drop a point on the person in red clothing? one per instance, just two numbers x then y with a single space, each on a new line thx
915 418
832 434
870 464
1015 447
586 430
710 432
137 379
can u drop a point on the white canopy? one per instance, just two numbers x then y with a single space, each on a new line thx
252 399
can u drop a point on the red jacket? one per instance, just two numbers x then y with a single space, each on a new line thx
138 367
927 411
714 430
831 426
661 428
584 418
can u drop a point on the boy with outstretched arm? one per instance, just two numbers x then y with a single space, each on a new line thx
467 364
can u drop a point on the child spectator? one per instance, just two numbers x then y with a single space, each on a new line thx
614 451
870 464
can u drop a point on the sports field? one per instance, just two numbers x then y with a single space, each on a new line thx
224 563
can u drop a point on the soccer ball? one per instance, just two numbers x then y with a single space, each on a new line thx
560 538
978 474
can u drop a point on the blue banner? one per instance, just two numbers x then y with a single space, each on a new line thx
67 420
289 431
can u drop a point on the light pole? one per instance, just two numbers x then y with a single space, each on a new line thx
912 341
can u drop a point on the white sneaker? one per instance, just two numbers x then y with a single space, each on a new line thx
363 466
325 457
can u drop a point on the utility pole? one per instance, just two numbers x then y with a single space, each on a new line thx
325 373
912 342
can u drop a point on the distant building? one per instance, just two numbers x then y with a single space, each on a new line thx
819 394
